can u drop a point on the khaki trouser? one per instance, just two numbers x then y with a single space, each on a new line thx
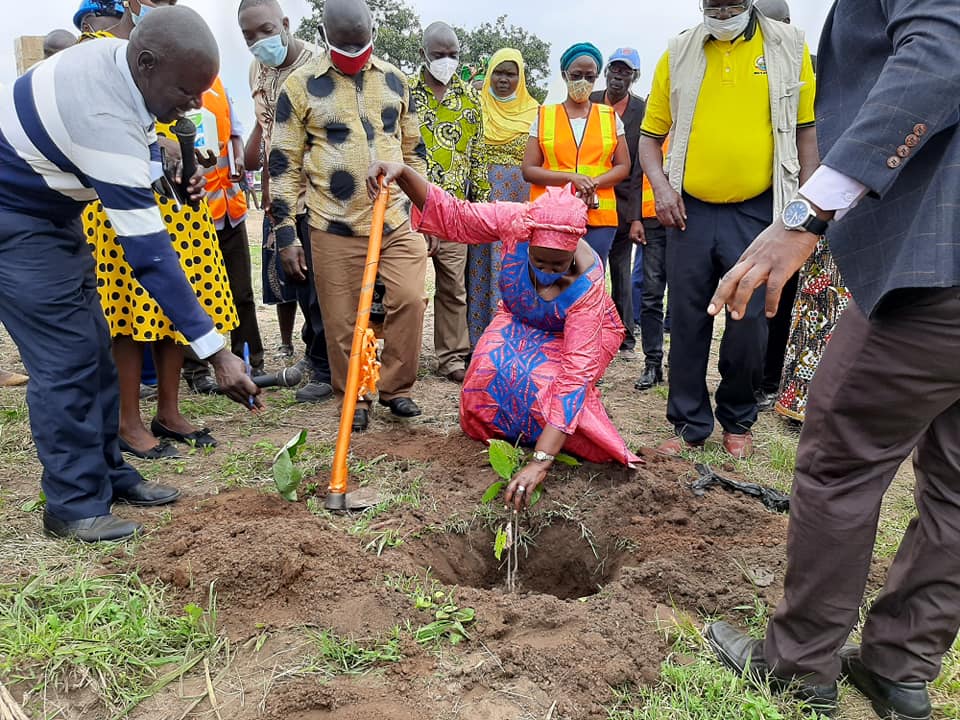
450 337
338 267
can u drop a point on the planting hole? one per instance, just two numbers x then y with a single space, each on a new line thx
558 561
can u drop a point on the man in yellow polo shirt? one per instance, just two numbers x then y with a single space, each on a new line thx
736 95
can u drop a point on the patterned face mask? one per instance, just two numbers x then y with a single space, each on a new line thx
579 90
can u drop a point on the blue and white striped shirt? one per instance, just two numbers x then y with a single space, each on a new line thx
75 128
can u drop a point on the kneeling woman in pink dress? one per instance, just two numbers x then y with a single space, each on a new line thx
534 373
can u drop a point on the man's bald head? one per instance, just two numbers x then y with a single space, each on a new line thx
774 9
57 40
439 33
348 24
174 59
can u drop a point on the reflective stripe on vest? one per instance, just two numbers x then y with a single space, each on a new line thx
649 202
223 195
592 157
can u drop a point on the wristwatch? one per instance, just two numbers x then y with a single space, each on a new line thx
799 215
541 456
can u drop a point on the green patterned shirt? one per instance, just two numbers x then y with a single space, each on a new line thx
452 130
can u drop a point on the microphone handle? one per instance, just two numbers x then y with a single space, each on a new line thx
186 133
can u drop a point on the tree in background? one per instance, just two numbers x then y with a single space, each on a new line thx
399 32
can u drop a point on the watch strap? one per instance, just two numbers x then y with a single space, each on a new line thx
816 226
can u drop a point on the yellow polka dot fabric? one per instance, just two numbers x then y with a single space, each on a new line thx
128 307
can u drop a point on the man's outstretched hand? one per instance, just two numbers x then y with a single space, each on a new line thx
771 259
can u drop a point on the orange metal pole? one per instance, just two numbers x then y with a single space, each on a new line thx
338 475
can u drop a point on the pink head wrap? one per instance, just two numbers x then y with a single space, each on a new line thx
557 219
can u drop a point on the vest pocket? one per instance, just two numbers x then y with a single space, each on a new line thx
788 105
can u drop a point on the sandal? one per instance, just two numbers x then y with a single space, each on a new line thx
198 438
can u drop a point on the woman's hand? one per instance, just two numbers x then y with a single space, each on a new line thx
172 159
197 187
390 171
527 479
586 186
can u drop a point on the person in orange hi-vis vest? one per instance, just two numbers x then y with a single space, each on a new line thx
649 286
581 143
219 132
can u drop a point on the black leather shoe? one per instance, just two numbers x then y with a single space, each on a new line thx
766 400
103 528
161 451
198 438
361 419
891 700
402 407
147 494
204 384
651 377
744 656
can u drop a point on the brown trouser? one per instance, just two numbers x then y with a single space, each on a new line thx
338 267
885 386
450 337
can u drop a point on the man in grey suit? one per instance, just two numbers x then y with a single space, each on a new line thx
889 381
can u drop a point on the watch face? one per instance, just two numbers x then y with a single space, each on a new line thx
795 214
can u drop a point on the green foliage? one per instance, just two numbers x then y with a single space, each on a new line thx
505 459
338 655
500 543
450 619
286 475
35 504
399 35
112 632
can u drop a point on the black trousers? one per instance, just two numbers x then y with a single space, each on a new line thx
778 334
654 287
886 385
697 258
621 282
236 259
50 306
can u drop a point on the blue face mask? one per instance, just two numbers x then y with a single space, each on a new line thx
545 278
137 17
271 51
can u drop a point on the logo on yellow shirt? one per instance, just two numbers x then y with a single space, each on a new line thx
760 65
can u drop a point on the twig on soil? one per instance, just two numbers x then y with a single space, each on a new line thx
9 708
550 713
492 654
212 695
217 680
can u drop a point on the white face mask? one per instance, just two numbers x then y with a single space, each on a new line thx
443 69
727 29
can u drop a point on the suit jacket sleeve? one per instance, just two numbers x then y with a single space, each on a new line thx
919 86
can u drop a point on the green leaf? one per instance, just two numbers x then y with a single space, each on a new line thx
504 458
493 491
37 503
293 445
456 638
565 459
500 543
286 477
535 496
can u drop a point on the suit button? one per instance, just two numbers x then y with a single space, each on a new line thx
903 151
893 162
912 140
919 129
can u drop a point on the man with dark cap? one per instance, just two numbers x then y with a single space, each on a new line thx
334 116
888 384
55 157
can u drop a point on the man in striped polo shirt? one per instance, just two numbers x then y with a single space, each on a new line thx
76 127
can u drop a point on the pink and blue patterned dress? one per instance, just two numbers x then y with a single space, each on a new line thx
538 362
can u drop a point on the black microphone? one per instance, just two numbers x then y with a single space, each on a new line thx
186 133
288 377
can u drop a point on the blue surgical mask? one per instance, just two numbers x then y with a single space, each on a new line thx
545 278
509 98
137 17
271 51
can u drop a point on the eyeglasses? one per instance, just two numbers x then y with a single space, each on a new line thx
575 76
620 72
726 11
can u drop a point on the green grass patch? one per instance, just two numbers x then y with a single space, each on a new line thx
337 655
112 633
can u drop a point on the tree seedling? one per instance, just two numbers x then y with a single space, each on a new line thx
506 460
286 475
450 619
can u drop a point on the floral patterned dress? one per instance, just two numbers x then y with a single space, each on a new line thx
821 300
538 362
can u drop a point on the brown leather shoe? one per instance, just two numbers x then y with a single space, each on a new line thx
12 379
457 376
740 446
675 446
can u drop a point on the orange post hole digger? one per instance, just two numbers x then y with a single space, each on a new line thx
363 371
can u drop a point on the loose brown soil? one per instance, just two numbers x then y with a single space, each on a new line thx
612 551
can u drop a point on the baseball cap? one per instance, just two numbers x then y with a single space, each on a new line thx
627 55
98 7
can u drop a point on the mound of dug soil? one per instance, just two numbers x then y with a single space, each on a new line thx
607 551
